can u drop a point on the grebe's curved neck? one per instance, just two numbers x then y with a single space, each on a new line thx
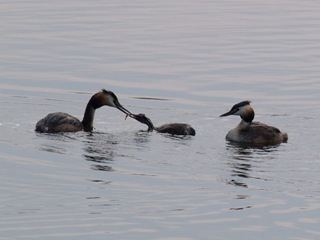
88 116
247 115
243 125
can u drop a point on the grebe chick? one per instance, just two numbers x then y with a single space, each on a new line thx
63 122
252 132
171 128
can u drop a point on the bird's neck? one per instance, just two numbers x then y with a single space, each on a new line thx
151 127
243 125
248 116
88 116
246 119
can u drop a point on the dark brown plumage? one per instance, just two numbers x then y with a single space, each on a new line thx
171 128
248 131
64 122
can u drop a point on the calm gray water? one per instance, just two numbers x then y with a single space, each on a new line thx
176 61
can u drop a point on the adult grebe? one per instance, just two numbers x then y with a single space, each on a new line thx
252 132
63 122
171 128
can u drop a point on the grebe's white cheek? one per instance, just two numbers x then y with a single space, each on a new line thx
243 110
240 111
112 104
109 100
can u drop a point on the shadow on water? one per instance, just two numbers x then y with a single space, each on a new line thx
242 156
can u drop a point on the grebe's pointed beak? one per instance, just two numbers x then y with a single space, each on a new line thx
231 112
122 109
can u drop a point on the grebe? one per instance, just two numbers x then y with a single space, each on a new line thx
171 128
63 122
252 132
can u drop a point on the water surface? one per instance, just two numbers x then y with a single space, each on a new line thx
176 62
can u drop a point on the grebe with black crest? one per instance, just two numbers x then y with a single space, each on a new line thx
248 131
64 122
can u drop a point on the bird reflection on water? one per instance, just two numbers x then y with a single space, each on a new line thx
243 156
100 150
246 168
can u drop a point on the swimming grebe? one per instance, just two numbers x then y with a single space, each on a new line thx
63 122
252 132
171 128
